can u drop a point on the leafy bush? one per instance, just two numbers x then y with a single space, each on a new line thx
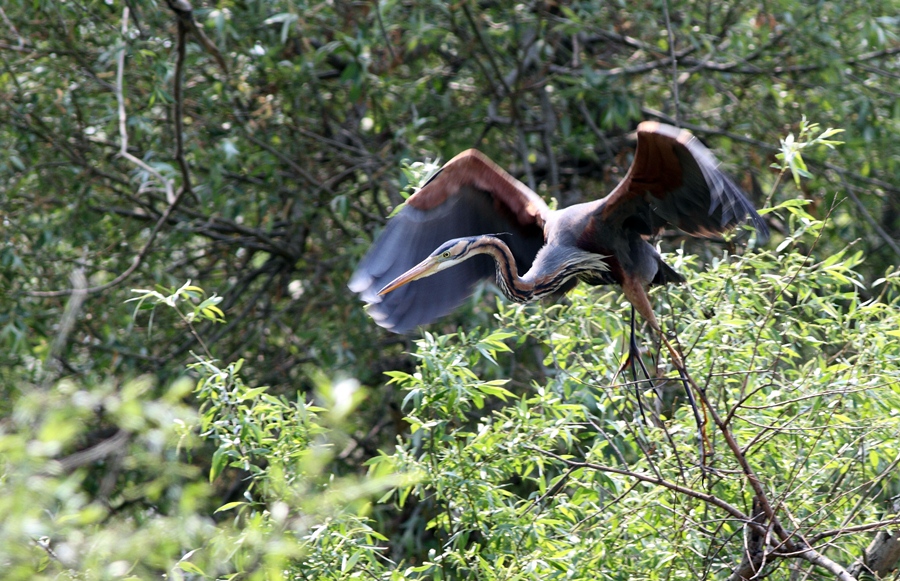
101 482
566 481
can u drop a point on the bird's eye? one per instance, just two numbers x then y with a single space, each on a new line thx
445 254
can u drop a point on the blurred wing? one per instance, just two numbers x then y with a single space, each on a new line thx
469 196
675 179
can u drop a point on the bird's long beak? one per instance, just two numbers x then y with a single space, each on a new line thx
425 268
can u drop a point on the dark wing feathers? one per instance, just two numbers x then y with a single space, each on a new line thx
470 196
675 179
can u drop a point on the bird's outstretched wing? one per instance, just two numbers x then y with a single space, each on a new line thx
675 179
469 196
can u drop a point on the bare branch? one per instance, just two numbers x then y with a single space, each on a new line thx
487 49
745 69
883 553
178 105
66 324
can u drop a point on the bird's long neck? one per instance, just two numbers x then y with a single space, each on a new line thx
511 284
536 283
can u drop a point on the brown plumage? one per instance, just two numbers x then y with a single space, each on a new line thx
475 217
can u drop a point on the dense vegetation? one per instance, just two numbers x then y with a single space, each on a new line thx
190 390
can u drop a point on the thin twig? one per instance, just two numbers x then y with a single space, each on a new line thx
13 28
735 67
589 119
108 447
650 478
522 143
872 526
487 49
547 137
797 547
674 58
177 109
387 41
771 310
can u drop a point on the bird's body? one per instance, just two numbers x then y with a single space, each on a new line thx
673 180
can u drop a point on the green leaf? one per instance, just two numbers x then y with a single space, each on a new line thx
189 567
230 505
494 388
219 461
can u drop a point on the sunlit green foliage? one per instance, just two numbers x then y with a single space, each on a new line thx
807 372
99 480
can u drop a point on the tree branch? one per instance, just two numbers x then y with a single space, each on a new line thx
185 13
755 543
652 479
881 556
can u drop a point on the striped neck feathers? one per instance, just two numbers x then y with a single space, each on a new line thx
552 268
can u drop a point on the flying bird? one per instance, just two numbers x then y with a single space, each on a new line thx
472 220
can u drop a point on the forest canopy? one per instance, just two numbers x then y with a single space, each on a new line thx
191 390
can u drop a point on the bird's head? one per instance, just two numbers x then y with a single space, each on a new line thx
448 254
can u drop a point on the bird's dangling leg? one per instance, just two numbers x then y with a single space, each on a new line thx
637 295
634 358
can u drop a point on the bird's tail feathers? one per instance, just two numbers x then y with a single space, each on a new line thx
665 274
